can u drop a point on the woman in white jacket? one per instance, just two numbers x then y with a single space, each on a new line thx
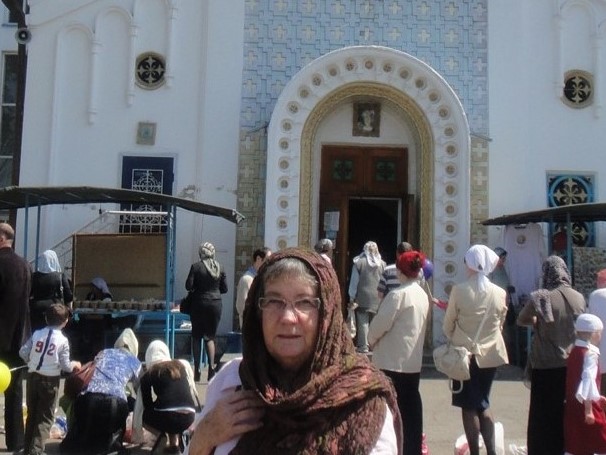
396 335
477 310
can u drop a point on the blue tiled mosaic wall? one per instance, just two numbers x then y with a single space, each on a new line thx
282 36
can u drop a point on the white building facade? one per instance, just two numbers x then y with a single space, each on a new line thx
363 120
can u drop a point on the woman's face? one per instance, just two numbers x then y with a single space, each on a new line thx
290 337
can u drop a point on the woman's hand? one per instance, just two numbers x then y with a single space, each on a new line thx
232 416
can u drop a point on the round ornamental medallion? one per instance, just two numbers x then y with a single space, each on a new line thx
578 88
150 70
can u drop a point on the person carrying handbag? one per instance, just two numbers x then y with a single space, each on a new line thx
49 285
467 306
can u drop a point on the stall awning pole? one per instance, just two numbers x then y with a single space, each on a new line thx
26 231
169 277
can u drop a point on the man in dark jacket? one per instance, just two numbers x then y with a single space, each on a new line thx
15 284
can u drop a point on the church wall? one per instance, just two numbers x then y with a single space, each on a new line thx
533 132
83 109
282 37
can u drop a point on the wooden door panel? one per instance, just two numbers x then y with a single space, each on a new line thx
353 171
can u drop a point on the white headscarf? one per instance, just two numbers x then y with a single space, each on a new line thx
371 252
127 340
482 261
156 352
48 262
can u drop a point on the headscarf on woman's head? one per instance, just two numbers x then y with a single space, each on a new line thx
48 262
555 274
371 253
156 352
410 263
100 284
206 251
481 260
336 404
127 341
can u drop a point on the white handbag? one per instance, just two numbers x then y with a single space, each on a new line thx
453 360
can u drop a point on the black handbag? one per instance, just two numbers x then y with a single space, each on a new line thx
185 305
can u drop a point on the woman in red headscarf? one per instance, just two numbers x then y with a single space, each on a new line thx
300 387
396 336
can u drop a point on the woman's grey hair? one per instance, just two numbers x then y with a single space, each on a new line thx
323 246
292 268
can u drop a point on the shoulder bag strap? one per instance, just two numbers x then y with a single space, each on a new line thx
489 307
477 335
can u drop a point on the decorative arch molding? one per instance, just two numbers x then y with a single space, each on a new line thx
434 113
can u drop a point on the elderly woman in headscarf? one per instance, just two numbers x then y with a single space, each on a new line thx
366 273
551 312
474 318
206 281
49 285
100 411
166 402
300 387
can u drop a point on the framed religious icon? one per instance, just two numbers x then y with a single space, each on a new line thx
146 133
366 119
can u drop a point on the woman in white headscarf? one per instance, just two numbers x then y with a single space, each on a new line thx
365 276
166 402
476 310
49 285
207 281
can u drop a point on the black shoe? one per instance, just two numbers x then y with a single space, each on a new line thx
197 376
211 373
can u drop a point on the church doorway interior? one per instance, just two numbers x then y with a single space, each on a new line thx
376 219
363 196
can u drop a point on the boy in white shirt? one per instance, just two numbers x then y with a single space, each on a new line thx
47 355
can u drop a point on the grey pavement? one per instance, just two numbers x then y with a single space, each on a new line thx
442 422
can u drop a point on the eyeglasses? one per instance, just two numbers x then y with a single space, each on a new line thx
301 306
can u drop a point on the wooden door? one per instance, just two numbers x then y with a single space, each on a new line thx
357 173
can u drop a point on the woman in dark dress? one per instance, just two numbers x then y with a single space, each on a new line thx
49 286
207 281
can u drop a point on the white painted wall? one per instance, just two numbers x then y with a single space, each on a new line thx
532 130
82 110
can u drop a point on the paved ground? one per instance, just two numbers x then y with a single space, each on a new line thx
442 422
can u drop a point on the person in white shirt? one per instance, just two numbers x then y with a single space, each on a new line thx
597 306
47 355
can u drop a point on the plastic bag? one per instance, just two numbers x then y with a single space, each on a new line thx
462 447
59 428
351 319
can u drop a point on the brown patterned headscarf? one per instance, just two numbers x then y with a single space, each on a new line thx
337 403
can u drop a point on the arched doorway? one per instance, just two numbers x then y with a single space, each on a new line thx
422 100
364 196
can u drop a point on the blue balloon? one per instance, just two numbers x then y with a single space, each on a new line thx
428 269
